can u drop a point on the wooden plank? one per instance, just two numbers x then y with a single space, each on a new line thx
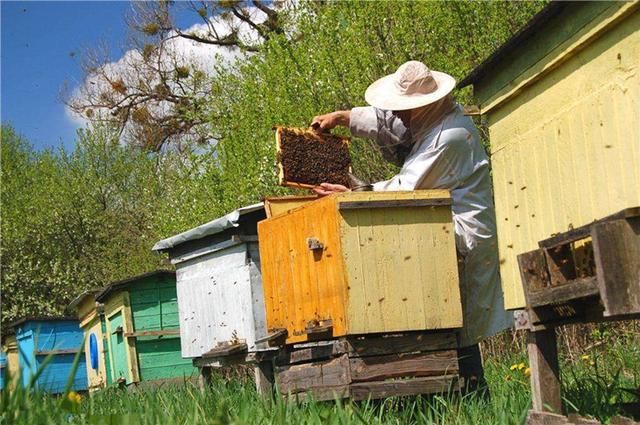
312 351
472 110
298 378
275 206
381 246
545 370
394 203
128 323
322 393
380 368
404 387
533 271
274 338
152 333
617 255
401 343
264 378
226 350
579 288
56 352
584 231
561 264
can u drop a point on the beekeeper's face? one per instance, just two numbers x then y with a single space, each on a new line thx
404 116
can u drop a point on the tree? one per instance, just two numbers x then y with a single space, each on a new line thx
339 50
156 93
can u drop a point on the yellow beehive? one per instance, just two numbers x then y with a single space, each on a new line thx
91 323
562 102
361 262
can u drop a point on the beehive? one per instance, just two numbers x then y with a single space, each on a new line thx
143 335
56 340
561 102
12 369
358 263
95 341
220 298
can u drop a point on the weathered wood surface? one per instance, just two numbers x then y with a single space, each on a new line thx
579 288
304 377
374 345
56 352
380 368
585 230
617 248
226 350
264 377
545 371
369 367
533 271
404 387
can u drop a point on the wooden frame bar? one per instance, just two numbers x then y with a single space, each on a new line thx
397 203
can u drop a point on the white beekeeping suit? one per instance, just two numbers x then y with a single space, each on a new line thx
441 149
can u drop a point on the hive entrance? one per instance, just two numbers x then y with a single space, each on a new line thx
307 159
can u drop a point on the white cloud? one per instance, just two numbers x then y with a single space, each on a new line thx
130 68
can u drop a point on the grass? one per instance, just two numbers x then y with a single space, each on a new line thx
593 382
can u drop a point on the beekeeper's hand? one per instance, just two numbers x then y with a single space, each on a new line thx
326 122
328 188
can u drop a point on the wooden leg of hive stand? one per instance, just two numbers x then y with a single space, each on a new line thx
264 377
545 371
204 380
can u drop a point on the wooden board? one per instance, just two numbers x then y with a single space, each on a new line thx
372 345
391 284
617 247
371 376
279 205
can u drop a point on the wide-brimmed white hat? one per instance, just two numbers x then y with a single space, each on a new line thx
413 85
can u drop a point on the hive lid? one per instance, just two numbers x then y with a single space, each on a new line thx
41 319
122 283
211 228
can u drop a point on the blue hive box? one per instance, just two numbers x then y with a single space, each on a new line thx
57 337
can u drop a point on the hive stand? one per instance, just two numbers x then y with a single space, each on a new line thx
369 367
237 354
587 274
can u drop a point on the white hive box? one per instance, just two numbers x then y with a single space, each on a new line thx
219 286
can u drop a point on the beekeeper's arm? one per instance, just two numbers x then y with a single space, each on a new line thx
368 122
444 162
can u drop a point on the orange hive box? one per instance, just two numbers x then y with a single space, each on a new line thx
359 263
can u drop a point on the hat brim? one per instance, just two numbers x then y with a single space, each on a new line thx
383 93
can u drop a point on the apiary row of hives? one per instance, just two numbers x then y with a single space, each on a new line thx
301 269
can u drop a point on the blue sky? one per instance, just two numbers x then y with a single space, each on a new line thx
41 42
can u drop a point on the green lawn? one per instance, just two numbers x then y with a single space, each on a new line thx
593 382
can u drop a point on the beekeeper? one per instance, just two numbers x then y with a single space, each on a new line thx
418 126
